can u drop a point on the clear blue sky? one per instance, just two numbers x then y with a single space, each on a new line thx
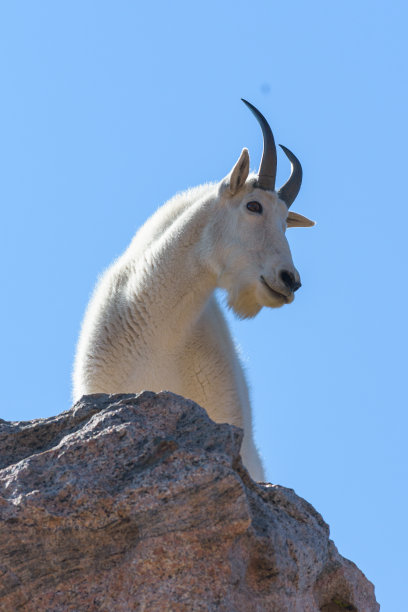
109 108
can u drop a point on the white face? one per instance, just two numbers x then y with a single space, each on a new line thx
246 245
256 266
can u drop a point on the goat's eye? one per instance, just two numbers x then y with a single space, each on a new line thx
255 207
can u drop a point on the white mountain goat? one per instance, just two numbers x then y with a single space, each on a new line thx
153 321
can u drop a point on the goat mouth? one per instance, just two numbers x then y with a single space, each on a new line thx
273 292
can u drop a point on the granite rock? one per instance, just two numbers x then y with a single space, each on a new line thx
141 502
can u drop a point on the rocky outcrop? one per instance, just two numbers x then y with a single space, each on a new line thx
141 502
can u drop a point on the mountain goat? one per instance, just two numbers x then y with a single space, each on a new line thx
153 321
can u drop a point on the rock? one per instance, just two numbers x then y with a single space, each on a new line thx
140 502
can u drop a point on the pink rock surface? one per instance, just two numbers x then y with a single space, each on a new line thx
141 502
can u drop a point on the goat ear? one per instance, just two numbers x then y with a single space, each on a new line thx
238 175
296 220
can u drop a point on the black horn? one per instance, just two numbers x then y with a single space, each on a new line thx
288 192
267 168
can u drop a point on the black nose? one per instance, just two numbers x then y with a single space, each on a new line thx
289 280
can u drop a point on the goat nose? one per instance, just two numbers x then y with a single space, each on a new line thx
288 279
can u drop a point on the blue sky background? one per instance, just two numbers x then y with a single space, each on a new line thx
108 108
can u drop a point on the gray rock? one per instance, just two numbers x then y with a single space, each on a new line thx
141 502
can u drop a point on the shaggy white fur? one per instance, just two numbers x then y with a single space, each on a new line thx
153 322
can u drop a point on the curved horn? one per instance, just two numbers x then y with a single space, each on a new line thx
290 189
267 167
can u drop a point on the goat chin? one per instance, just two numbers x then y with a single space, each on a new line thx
246 303
242 301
